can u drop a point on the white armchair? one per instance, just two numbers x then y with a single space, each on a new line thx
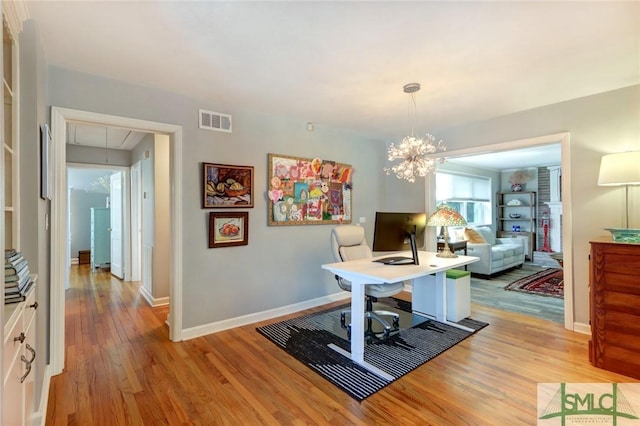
495 254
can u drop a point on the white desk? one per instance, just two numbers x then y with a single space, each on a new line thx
365 271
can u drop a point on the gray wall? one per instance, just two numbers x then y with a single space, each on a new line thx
599 124
90 155
162 217
285 260
281 265
80 204
34 230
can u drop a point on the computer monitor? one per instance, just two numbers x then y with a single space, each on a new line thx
399 232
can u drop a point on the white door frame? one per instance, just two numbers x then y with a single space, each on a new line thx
59 270
135 221
567 234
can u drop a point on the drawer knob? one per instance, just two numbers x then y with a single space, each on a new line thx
20 338
34 305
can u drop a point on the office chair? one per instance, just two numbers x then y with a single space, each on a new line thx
348 243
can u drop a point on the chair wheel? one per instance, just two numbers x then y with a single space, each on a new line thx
396 323
386 333
343 319
349 333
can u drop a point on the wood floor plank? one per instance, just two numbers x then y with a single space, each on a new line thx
122 369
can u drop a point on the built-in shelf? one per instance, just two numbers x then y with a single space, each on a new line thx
521 227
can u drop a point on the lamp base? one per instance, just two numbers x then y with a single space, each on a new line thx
446 251
447 254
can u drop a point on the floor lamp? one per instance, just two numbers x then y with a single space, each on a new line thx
446 216
621 169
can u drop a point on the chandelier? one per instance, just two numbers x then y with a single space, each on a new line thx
414 152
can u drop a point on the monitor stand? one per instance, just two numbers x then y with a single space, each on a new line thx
403 260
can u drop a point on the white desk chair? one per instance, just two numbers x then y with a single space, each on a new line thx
348 243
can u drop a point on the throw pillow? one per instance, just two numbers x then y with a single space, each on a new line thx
487 234
472 236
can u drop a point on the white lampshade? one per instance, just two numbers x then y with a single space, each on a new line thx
620 169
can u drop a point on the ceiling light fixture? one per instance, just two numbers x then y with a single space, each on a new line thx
414 152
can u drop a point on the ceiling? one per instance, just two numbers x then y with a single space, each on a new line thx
343 64
537 156
102 137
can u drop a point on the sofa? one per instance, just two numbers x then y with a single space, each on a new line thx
496 254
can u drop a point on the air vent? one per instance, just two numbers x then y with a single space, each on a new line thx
215 121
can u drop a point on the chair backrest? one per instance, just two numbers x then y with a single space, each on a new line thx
348 243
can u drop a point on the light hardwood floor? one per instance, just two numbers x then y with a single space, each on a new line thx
121 369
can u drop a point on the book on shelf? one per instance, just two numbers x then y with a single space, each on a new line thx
16 265
19 295
14 299
16 276
17 284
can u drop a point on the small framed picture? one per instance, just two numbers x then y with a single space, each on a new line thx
228 229
226 186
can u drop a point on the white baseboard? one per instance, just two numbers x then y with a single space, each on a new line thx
153 301
214 327
75 261
580 327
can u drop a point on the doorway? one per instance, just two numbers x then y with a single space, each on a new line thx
564 140
59 211
90 187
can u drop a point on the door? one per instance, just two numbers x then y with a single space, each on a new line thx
117 268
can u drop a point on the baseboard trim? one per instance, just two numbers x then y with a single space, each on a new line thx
75 261
153 301
580 327
40 417
214 327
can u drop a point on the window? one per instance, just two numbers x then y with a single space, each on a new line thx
469 195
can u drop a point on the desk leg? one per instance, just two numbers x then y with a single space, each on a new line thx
357 322
357 332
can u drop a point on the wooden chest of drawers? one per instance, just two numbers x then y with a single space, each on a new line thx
615 307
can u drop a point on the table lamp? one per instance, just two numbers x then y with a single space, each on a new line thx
446 216
621 169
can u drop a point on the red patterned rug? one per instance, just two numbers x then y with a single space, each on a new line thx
548 282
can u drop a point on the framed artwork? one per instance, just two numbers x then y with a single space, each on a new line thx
45 165
308 191
228 229
226 186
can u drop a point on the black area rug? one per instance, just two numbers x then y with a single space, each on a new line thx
419 339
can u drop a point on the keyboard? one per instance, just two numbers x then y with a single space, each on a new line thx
395 260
